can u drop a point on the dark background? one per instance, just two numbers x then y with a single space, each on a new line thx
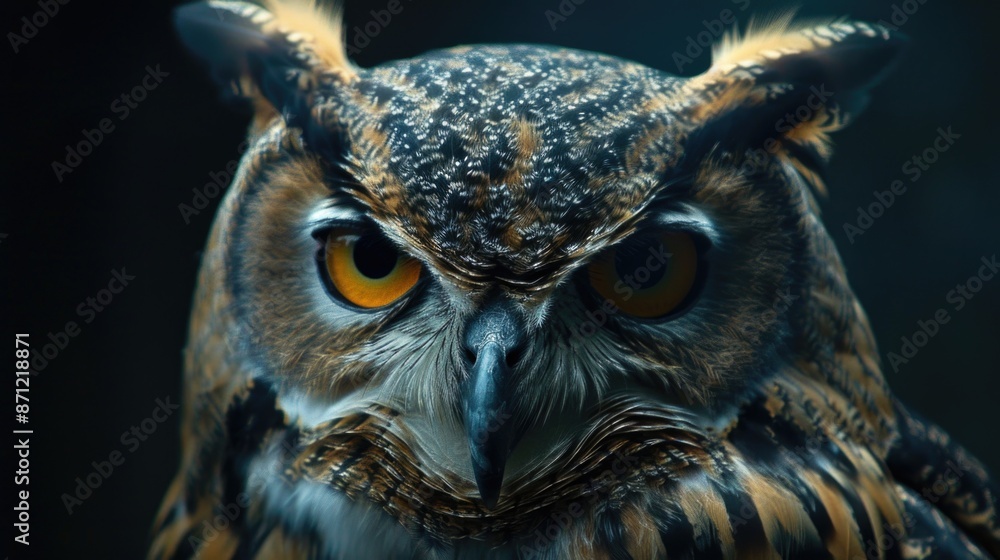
119 208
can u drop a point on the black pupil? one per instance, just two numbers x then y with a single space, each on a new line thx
374 256
642 263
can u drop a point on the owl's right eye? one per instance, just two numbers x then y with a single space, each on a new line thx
364 269
651 276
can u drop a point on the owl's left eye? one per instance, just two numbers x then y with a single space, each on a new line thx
651 276
365 269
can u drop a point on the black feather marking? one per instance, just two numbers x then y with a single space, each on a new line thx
818 516
611 534
676 532
248 422
931 464
678 536
749 536
927 530
866 528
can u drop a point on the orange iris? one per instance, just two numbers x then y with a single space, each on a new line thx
649 276
367 270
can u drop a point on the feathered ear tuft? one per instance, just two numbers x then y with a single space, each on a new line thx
783 87
763 33
842 55
274 57
321 29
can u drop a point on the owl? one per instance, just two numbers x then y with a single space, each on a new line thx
517 301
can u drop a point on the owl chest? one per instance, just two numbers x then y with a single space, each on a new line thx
647 525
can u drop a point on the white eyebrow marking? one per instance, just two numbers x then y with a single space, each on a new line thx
690 217
332 211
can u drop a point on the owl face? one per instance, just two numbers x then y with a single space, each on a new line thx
548 198
505 248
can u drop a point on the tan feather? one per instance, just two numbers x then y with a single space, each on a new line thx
321 27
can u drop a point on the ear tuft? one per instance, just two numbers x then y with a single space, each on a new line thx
320 27
762 34
783 87
274 57
840 54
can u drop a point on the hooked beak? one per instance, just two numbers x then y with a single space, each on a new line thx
494 339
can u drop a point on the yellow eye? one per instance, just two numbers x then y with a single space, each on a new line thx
649 276
367 270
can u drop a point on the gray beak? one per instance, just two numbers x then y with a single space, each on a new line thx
494 339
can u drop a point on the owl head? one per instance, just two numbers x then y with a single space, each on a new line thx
498 252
